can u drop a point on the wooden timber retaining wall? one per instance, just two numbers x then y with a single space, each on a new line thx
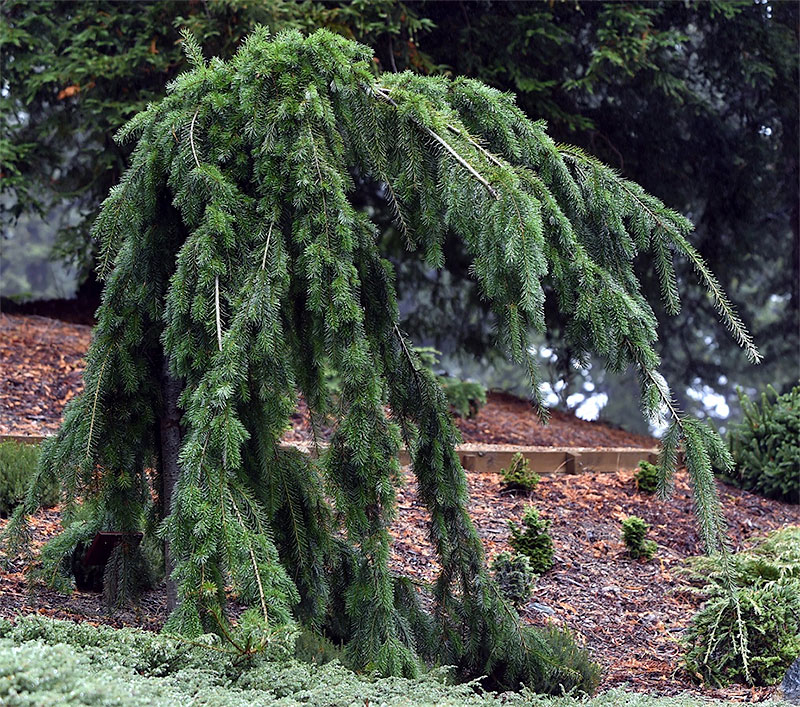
493 457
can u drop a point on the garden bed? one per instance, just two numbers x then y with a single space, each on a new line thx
630 613
43 362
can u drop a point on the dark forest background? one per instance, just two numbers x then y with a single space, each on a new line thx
697 101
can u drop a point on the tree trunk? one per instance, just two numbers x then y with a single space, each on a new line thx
170 433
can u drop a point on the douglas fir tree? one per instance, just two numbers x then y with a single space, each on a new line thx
237 271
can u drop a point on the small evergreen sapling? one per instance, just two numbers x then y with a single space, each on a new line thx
237 270
533 540
766 445
519 475
646 477
514 576
634 534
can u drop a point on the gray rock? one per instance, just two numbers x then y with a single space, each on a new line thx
543 609
791 683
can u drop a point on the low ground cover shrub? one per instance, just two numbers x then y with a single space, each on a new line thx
533 540
515 576
634 534
99 665
49 662
519 475
646 477
767 579
17 466
766 446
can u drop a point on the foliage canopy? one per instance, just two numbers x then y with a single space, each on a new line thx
715 82
234 257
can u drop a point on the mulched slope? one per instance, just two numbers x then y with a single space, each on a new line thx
42 363
630 613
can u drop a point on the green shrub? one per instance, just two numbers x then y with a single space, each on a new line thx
48 662
565 651
533 540
769 614
18 463
766 446
44 662
646 477
519 475
465 397
514 575
767 579
634 532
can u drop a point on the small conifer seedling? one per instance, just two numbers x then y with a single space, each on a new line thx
519 475
634 534
646 477
533 540
238 273
514 575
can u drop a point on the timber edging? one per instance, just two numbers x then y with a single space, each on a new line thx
493 457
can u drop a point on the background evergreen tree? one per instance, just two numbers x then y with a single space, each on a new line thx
238 272
697 102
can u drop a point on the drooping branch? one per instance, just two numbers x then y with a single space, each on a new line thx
264 224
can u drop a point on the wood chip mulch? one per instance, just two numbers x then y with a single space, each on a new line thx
41 368
42 362
631 614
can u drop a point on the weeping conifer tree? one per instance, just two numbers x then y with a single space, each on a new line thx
236 270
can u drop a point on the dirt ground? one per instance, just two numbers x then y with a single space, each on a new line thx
42 362
630 613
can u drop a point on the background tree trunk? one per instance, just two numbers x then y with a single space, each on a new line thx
170 433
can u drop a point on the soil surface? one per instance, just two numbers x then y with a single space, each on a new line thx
630 613
42 362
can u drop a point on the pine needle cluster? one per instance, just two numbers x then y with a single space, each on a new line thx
236 265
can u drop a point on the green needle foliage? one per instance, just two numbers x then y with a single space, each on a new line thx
514 576
634 534
646 477
533 540
236 265
766 600
766 446
519 475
